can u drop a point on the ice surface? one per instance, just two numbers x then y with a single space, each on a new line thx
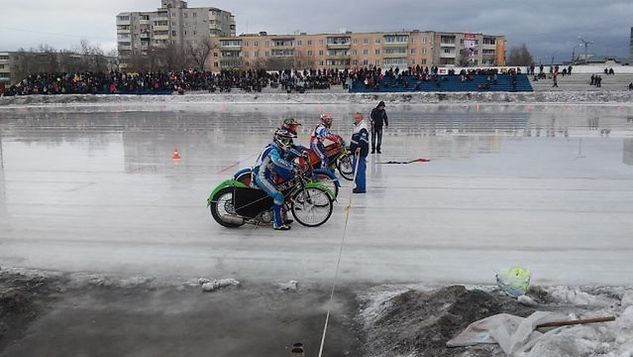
93 189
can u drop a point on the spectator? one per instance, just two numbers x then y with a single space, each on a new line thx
359 145
378 119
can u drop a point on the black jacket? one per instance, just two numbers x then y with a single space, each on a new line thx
378 118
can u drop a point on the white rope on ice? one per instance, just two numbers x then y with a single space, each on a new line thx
340 255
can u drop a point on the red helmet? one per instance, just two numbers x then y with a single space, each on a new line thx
291 125
326 119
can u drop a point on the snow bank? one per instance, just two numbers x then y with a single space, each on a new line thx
418 322
328 98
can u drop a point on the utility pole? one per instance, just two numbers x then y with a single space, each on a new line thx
586 44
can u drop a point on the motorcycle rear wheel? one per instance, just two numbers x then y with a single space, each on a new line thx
221 204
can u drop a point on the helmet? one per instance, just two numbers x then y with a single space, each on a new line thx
283 138
291 125
326 119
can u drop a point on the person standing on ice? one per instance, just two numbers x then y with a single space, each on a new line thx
270 164
319 135
378 118
359 145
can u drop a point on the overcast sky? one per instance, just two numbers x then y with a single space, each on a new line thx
547 27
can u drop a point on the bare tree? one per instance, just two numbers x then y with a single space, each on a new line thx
199 51
520 56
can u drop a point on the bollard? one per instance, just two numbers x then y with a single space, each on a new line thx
297 350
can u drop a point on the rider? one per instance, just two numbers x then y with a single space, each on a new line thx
319 135
270 164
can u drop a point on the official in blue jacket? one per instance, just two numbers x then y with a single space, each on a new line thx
359 145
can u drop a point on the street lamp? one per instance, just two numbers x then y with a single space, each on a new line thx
586 44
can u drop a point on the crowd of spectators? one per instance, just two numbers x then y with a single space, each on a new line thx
374 78
115 82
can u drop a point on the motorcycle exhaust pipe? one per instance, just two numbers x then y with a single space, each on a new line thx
232 219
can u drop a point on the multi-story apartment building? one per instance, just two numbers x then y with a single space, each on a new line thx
173 23
344 50
5 67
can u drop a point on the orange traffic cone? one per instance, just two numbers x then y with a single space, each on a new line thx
176 155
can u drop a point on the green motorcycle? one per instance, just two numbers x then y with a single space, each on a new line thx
234 204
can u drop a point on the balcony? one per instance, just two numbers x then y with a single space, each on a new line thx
396 40
161 28
447 44
448 55
339 42
127 47
161 37
124 22
395 55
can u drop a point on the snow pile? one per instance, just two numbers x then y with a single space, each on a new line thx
328 98
219 284
419 323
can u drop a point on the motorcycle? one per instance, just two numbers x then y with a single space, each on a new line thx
339 158
234 204
325 177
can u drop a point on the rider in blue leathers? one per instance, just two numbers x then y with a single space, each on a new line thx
271 163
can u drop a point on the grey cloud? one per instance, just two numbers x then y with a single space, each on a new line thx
545 26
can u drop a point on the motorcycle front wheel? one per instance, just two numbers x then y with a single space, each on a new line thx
327 181
345 167
312 207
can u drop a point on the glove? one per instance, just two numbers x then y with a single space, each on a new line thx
296 170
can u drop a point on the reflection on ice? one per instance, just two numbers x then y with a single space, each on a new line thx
96 189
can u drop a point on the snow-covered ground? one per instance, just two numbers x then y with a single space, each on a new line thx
92 188
335 96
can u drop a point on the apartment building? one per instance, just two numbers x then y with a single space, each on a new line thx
5 67
173 23
345 50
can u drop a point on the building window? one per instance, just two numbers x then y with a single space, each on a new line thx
320 42
413 51
321 63
310 53
365 40
173 33
194 33
195 14
320 52
309 42
355 62
365 51
377 52
365 62
215 64
255 43
299 43
377 63
354 52
186 15
377 40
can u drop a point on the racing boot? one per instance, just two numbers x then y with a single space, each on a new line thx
278 223
285 217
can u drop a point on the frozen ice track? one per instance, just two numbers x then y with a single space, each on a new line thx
84 191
